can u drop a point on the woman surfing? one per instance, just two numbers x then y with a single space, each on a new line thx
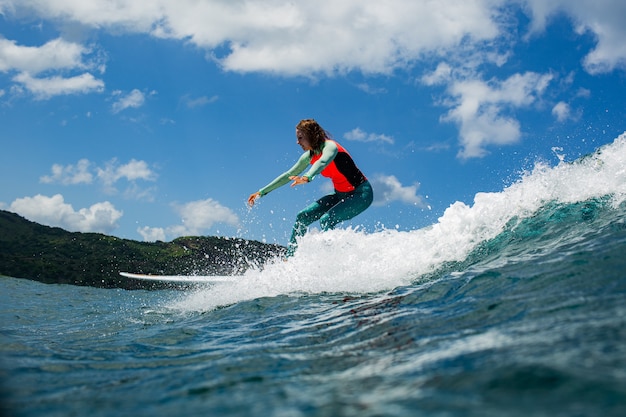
353 192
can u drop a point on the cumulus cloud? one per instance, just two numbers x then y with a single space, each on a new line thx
604 19
85 172
292 38
56 55
203 214
131 171
480 108
561 111
326 36
197 217
359 135
54 211
44 88
387 189
70 174
152 234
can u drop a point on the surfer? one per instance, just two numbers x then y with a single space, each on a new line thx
353 192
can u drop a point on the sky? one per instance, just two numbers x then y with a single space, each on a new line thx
150 120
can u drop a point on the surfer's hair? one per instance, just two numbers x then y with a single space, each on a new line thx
314 133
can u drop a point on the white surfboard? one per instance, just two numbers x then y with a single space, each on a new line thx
183 279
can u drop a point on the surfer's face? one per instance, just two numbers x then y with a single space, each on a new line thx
303 141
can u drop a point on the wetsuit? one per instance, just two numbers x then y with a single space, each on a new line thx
353 192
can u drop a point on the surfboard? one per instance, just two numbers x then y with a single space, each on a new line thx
183 279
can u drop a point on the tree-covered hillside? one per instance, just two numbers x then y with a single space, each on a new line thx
53 255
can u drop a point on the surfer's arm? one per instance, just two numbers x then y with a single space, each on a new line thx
329 152
284 178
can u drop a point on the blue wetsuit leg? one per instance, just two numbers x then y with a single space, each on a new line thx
331 210
349 206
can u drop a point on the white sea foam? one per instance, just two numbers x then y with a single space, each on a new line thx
352 261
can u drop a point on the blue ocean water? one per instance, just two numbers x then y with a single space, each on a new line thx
512 306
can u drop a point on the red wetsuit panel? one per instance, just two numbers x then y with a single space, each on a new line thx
342 171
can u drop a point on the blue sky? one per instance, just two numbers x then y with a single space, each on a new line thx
153 120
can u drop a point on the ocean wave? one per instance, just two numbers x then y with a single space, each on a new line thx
546 211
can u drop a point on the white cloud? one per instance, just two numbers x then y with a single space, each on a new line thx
132 171
54 211
70 174
134 99
130 15
152 234
369 36
44 88
561 111
359 135
387 189
441 75
197 217
602 18
326 36
200 215
293 38
84 172
479 108
56 55
135 170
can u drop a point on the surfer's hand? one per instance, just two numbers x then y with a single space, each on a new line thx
253 198
298 180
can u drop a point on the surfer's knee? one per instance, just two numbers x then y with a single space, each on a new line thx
305 218
301 216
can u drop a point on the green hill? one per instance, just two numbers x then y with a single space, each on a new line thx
53 255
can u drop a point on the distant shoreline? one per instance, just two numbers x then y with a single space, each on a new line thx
55 256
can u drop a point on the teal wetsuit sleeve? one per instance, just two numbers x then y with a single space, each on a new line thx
329 152
283 178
